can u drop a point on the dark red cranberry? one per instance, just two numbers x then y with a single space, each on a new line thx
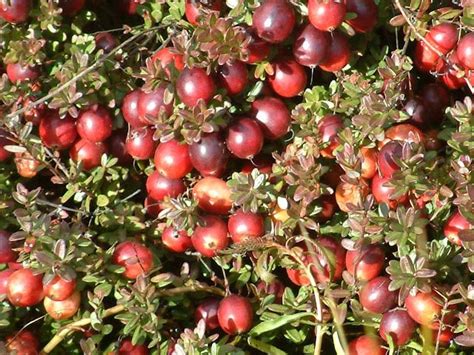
275 288
88 153
56 132
366 14
177 241
338 53
243 225
7 255
257 48
310 46
18 73
58 289
193 9
152 207
71 7
273 116
233 77
366 262
128 7
15 11
274 20
130 109
4 275
398 324
366 345
136 258
235 314
151 104
245 138
388 157
435 98
419 114
105 41
264 164
455 224
376 297
207 310
465 51
94 124
140 144
172 159
326 15
25 288
329 207
209 156
210 236
329 126
194 85
288 79
117 147
159 187
383 193
403 132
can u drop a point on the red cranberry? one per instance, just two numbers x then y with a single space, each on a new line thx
172 159
88 153
423 308
24 288
366 345
23 343
275 288
7 255
209 156
257 48
58 289
235 314
136 258
213 195
365 263
273 116
4 275
127 347
151 104
465 51
105 41
425 59
418 112
376 297
15 11
310 46
194 85
398 324
193 9
56 132
140 144
329 127
326 15
263 163
383 193
404 132
167 57
207 310
71 7
130 109
18 73
387 159
366 14
243 225
288 79
94 124
117 148
338 53
128 7
177 241
436 99
455 224
210 236
159 187
233 77
152 207
274 20
245 138
448 74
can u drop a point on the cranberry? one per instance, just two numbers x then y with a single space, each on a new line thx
140 144
245 138
65 309
273 116
349 194
366 14
235 314
244 225
25 288
23 343
210 236
94 124
436 99
369 162
4 275
209 156
127 347
264 164
159 187
366 262
105 41
366 345
329 126
465 51
376 297
398 324
136 258
338 53
193 9
326 15
257 48
418 112
443 36
71 7
172 159
18 73
233 77
117 148
288 79
58 289
213 195
449 75
166 57
388 158
128 7
423 308
177 241
88 153
455 224
310 46
275 288
274 20
15 11
26 165
7 255
425 59
152 207
151 104
207 310
404 132
194 85
383 193
130 109
56 132
329 207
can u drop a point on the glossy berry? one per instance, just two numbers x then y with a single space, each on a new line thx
366 262
418 112
194 85
140 144
245 138
465 51
209 155
94 124
274 20
261 162
455 224
366 14
130 109
423 308
375 296
338 53
451 77
310 46
127 348
326 15
15 11
172 159
18 73
275 288
117 148
25 288
404 132
245 225
288 79
58 289
105 41
210 236
257 48
65 309
213 195
436 99
159 187
329 126
233 77
369 162
136 258
424 58
166 57
177 241
388 158
329 207
273 116
207 310
235 314
150 105
366 345
383 192
398 324
56 132
443 36
152 207
23 343
7 255
88 153
4 275
193 9
351 194
71 7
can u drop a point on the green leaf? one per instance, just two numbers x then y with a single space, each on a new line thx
102 201
264 347
270 325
